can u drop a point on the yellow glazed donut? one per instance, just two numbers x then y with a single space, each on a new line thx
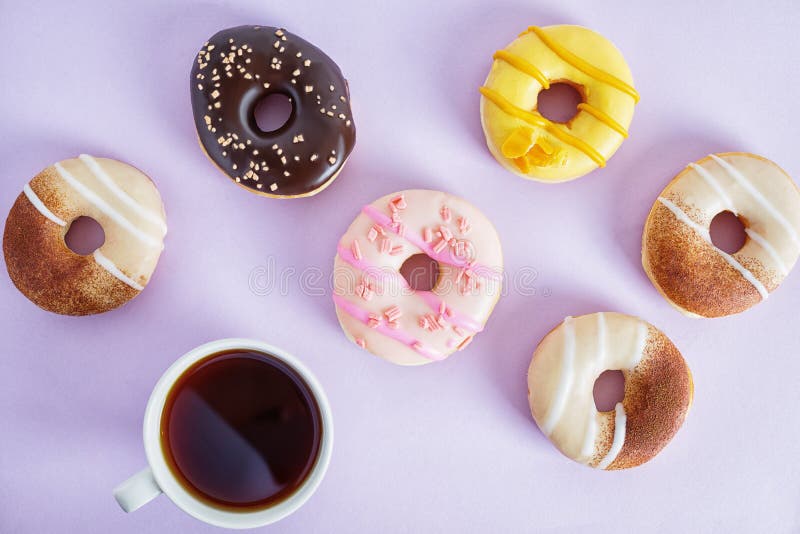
377 307
658 389
121 199
677 253
525 142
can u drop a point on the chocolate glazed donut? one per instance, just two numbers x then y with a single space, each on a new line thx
235 70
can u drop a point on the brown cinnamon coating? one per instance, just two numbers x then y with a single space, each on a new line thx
235 70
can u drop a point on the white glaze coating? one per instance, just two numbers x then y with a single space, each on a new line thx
406 340
759 197
122 200
103 205
565 379
119 193
565 366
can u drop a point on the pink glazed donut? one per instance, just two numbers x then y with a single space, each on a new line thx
376 305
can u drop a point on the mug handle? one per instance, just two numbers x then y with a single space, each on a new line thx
137 491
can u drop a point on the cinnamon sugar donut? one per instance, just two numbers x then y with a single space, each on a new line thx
677 253
658 389
377 307
121 199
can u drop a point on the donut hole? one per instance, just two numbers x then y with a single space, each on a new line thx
727 232
84 236
609 389
560 102
421 272
272 112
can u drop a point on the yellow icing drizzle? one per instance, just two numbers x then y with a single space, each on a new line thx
604 118
523 66
582 65
537 120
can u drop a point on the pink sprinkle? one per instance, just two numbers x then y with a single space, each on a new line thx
372 235
374 321
445 232
423 322
440 246
463 225
465 343
442 308
397 249
356 249
417 346
360 290
399 202
434 322
445 213
460 275
361 342
393 312
458 330
427 235
386 245
380 229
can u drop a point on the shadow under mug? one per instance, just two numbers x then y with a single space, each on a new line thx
157 478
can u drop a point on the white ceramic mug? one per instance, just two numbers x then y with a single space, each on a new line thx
157 478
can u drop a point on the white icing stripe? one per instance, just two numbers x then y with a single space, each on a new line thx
109 266
40 207
641 339
103 206
711 181
746 274
620 421
734 173
564 381
590 435
126 199
769 248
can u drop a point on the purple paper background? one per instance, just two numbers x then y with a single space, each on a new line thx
445 448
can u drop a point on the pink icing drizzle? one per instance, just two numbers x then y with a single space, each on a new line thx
431 299
441 256
362 315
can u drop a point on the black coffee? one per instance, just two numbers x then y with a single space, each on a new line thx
241 430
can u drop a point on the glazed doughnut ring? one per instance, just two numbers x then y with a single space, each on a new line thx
679 257
376 305
658 389
233 72
528 144
121 199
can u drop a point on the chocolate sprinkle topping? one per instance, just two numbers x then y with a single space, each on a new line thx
233 72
